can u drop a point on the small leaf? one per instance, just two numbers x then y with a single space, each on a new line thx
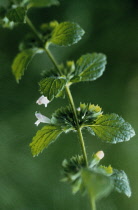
89 67
17 14
52 86
112 128
44 137
42 3
121 182
96 184
66 34
22 61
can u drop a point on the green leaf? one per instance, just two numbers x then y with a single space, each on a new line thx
44 137
89 67
42 3
52 86
112 128
17 14
121 182
66 34
96 184
22 61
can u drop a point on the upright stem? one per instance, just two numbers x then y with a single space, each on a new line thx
77 124
93 205
67 89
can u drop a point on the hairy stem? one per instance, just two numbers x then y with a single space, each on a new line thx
67 88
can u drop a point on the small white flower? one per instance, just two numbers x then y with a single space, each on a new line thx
78 109
100 155
43 100
41 119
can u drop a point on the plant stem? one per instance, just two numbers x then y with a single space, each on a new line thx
77 124
52 59
93 205
67 88
37 34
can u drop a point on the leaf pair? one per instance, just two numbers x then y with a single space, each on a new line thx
88 67
109 127
97 180
64 34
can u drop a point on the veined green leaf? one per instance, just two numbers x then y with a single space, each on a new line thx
97 184
17 14
22 61
112 128
42 3
89 67
44 137
52 86
121 182
66 34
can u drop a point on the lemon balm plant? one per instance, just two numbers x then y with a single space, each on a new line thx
86 176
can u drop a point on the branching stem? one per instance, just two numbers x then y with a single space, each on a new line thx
67 89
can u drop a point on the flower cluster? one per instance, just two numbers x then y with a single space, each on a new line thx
41 118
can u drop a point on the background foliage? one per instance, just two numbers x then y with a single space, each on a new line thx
33 183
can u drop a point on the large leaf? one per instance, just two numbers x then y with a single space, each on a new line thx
121 182
66 34
17 14
52 86
112 128
44 137
89 67
97 184
42 3
22 61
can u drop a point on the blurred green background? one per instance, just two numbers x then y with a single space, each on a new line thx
28 183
